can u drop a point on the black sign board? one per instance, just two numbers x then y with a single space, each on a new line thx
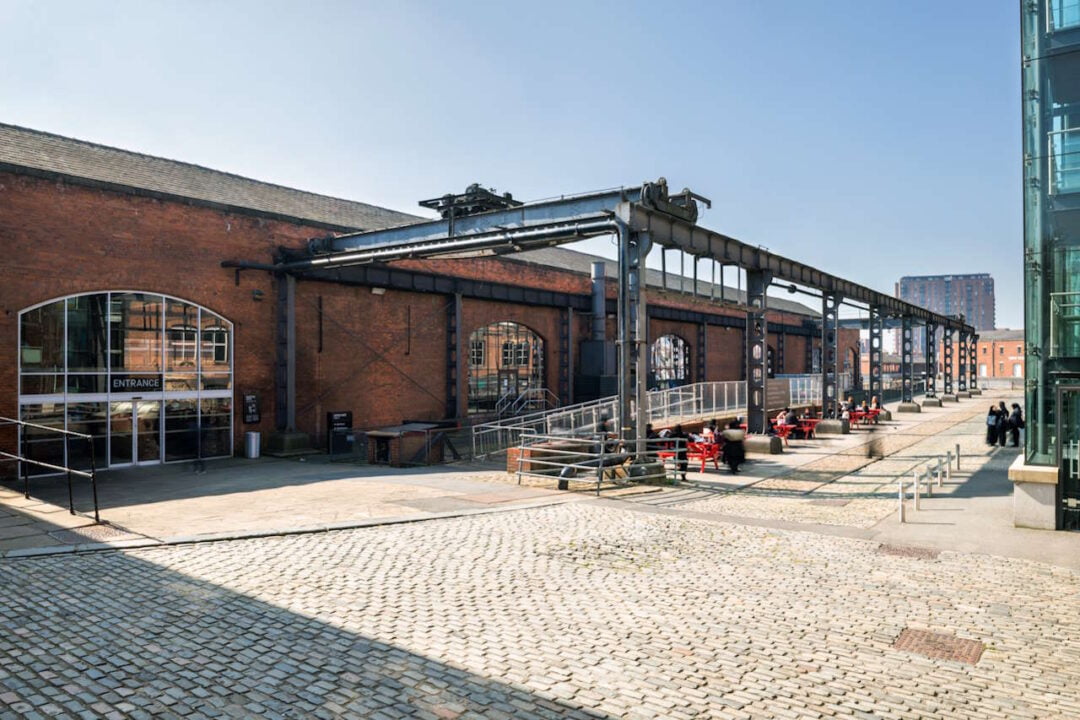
251 408
135 383
339 436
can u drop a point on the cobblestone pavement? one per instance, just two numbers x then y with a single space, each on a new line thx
855 487
577 610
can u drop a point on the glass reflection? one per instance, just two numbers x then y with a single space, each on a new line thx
216 423
42 333
181 336
181 430
90 418
87 333
41 444
215 343
135 332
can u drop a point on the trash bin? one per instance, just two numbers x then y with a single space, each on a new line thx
252 441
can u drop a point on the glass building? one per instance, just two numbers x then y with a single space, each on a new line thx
1050 50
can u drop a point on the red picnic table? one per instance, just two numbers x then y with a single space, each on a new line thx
863 416
698 451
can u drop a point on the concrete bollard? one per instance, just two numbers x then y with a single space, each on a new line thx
900 491
915 479
939 472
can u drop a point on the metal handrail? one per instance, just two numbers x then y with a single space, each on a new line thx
69 471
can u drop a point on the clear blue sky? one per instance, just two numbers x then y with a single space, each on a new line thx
873 139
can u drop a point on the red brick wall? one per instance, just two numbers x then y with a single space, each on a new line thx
59 239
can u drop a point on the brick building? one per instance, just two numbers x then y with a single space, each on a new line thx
1000 355
117 319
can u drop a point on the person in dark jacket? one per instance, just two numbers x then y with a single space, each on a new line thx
1016 423
681 439
734 453
1003 426
992 426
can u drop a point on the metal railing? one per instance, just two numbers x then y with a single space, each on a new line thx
697 400
688 401
598 457
929 473
1062 15
25 461
1064 159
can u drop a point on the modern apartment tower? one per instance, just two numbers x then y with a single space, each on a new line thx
969 295
1047 478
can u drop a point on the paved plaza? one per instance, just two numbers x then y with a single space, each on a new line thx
788 592
575 610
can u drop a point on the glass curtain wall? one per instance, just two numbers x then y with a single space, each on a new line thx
149 377
1050 39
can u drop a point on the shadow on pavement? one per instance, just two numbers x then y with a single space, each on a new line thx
110 632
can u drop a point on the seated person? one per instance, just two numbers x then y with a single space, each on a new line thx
790 418
875 404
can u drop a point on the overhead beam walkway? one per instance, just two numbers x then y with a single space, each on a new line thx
640 217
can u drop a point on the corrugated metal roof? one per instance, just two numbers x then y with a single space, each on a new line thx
44 152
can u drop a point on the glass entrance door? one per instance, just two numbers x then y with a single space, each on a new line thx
1068 446
134 432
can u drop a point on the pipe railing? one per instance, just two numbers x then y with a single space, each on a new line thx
933 472
25 461
599 457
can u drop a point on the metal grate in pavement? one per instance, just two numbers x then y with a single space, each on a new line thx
91 534
939 646
909 551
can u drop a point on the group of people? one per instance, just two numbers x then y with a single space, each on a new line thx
849 406
1000 423
732 453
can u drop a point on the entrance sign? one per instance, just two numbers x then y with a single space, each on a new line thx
135 383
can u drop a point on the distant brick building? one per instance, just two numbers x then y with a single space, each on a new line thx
118 320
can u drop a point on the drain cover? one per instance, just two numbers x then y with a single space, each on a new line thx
909 551
939 646
90 533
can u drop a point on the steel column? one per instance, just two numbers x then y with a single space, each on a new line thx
565 318
780 352
876 329
633 334
757 350
285 283
906 357
973 354
947 360
291 353
701 353
931 359
830 355
454 377
962 360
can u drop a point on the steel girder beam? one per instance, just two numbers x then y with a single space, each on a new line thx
830 354
962 361
876 350
973 355
757 351
569 219
931 360
906 357
695 240
947 360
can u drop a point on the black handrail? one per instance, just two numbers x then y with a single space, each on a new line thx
67 470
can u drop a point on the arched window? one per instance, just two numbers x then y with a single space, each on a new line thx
670 361
506 362
147 375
